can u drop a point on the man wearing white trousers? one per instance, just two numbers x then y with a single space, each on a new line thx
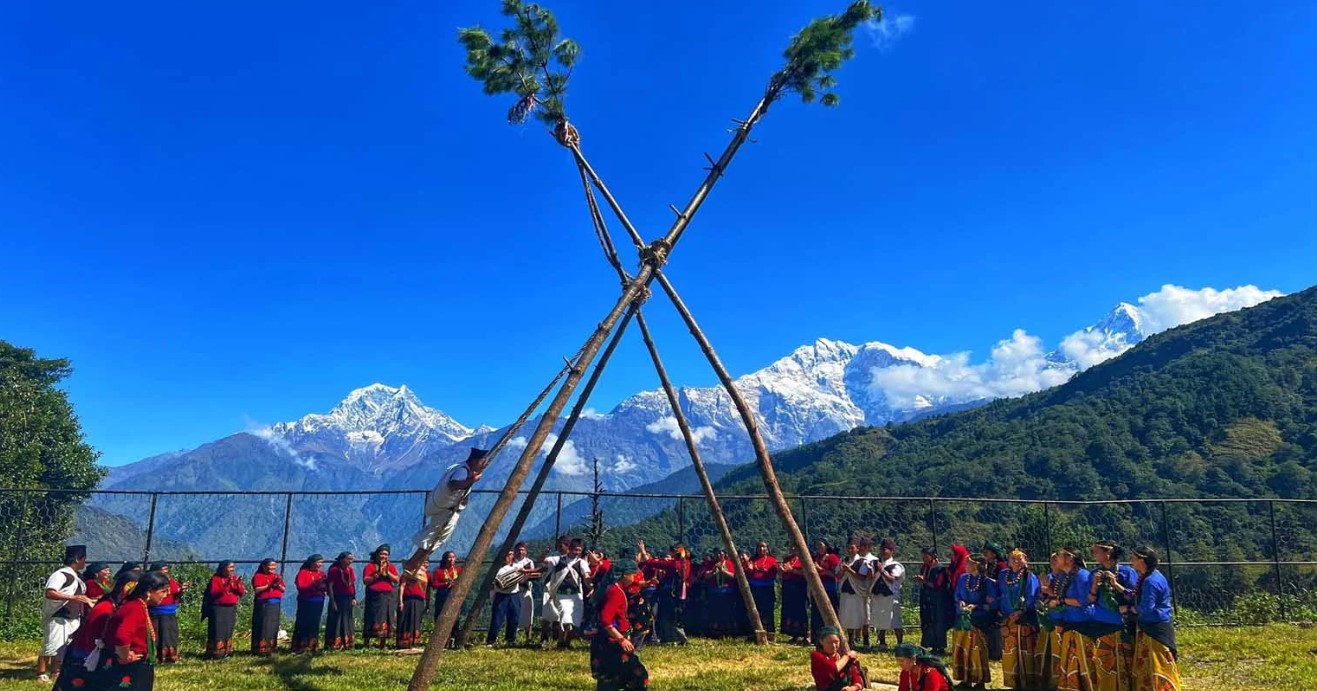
885 601
443 507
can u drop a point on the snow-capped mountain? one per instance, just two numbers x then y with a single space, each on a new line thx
375 427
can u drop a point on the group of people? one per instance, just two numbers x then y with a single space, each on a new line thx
103 631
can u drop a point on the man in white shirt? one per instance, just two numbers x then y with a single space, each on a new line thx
566 586
62 609
526 565
548 616
443 507
885 605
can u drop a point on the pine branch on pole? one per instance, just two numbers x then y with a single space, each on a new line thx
528 503
742 582
762 460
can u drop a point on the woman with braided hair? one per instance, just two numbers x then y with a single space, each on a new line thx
920 670
614 663
969 650
1017 598
1111 591
1155 652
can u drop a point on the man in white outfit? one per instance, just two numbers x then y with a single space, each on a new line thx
442 509
61 611
566 578
885 605
523 562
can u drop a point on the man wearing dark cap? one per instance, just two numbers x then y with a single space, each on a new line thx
442 509
61 612
885 605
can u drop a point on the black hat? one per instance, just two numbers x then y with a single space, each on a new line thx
889 543
477 454
73 553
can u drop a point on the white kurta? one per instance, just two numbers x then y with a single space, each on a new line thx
60 618
567 608
443 507
885 610
524 592
854 612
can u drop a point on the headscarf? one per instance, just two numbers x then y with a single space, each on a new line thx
382 548
918 654
824 633
123 586
625 563
311 561
264 563
128 566
219 569
959 555
157 565
89 574
995 548
342 556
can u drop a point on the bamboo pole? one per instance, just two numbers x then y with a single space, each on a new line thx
742 582
762 460
523 514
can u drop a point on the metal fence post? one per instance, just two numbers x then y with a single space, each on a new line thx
804 518
1047 523
288 519
932 521
1170 560
557 522
1275 560
150 531
681 521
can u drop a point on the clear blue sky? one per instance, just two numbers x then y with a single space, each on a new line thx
236 213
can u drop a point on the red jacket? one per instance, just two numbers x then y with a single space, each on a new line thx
612 612
924 678
129 626
413 590
226 591
443 580
379 585
93 627
174 590
311 585
276 589
794 563
762 571
342 581
828 566
824 670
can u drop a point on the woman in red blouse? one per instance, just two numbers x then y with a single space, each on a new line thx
442 580
86 657
268 584
164 617
675 571
311 590
827 562
614 663
411 608
130 634
380 578
221 609
833 671
340 626
921 671
761 571
795 603
99 578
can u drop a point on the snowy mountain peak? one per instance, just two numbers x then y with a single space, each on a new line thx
374 413
1125 319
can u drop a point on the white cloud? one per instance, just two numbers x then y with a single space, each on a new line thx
668 425
592 414
268 434
886 32
515 444
569 460
624 464
1174 306
1019 365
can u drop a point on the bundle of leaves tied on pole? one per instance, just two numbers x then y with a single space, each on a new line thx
530 61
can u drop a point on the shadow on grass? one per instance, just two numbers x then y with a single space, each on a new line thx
297 671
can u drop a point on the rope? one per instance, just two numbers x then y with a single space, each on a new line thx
601 228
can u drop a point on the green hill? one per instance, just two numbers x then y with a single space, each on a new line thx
1224 408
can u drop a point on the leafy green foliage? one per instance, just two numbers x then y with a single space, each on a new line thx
529 59
818 51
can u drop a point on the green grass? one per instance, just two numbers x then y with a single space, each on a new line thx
1274 658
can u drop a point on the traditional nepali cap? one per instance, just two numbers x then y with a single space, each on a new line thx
73 553
866 541
910 650
930 552
477 454
889 543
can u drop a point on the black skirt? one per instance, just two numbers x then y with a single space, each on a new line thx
219 630
795 608
306 628
409 625
265 627
816 617
614 668
724 612
380 608
167 637
766 603
73 676
136 676
340 625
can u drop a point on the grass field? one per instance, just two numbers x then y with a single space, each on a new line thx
1274 658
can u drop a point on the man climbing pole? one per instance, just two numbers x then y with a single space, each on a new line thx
443 507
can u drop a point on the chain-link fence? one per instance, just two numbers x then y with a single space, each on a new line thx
1229 561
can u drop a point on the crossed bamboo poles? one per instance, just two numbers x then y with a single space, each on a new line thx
635 291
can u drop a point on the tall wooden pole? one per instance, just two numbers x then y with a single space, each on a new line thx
528 503
742 582
762 460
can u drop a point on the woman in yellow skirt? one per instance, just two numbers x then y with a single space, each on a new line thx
1076 654
1155 653
1017 598
969 641
1047 649
1110 593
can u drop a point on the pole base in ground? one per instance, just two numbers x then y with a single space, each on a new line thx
762 638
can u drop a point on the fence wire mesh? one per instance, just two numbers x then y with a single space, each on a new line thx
1229 561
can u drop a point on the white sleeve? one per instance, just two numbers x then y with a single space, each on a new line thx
898 570
56 581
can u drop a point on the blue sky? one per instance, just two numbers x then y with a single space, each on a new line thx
233 215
